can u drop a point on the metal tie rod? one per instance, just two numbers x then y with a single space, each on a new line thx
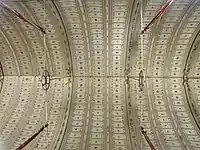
31 138
16 13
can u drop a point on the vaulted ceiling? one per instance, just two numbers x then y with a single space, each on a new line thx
93 56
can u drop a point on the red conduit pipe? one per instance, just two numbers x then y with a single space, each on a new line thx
159 13
21 17
147 139
31 138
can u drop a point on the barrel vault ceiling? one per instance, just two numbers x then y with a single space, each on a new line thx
93 57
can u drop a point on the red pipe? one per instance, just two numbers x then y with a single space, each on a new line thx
159 13
147 139
22 17
31 138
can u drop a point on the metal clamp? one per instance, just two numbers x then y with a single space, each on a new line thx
45 80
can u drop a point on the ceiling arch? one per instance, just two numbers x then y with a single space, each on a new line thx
93 57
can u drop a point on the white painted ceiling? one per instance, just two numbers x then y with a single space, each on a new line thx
96 45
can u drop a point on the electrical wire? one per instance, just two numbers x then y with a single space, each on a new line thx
45 64
141 37
141 60
141 81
